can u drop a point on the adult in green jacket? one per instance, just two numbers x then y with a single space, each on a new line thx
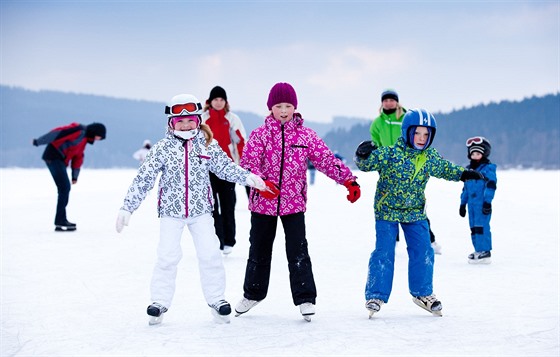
386 128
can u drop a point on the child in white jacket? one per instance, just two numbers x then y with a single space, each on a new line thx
184 158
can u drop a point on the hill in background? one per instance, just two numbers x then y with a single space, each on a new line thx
523 134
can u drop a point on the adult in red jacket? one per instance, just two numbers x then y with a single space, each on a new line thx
65 146
228 130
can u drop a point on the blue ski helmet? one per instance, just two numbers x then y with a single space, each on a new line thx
414 118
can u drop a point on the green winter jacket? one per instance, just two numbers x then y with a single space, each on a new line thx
403 175
386 129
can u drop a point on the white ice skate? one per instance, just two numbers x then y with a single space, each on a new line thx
484 257
245 305
429 303
373 306
307 310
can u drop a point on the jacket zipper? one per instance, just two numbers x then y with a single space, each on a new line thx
281 170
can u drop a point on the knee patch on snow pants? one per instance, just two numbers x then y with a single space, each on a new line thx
477 230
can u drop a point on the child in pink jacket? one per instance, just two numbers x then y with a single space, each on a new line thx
278 152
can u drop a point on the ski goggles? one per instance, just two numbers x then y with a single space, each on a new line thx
189 108
475 140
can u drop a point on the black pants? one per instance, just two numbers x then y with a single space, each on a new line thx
60 177
257 275
224 210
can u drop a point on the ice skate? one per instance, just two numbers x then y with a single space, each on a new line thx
483 257
429 303
156 311
373 306
227 250
307 310
245 305
65 227
221 310
436 247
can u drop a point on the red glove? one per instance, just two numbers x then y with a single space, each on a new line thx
353 190
271 191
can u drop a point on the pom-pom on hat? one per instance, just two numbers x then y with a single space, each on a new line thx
217 92
389 94
282 93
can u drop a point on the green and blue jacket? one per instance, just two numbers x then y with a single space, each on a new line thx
403 175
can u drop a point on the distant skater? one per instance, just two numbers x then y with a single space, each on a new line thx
141 153
66 146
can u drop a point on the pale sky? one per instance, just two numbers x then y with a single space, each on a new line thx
339 55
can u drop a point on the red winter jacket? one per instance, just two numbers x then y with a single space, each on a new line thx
66 143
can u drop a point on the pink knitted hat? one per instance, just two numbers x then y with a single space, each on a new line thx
282 93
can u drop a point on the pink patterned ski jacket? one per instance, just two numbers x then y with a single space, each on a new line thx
279 153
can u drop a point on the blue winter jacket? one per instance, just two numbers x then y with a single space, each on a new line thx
476 192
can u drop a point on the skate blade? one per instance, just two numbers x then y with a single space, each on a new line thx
220 319
420 304
64 229
307 317
155 320
480 261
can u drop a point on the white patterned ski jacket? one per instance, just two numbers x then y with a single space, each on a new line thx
184 186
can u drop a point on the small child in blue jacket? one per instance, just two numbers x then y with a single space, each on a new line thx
478 195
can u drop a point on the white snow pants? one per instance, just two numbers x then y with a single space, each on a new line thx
169 253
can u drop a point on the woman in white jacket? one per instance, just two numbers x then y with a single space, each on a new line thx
184 158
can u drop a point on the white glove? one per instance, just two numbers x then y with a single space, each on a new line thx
122 219
256 182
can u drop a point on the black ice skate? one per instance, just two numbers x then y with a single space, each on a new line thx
221 310
65 227
156 311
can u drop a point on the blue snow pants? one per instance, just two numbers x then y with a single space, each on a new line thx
382 261
480 227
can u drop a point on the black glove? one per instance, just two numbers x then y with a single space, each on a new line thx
471 175
365 149
486 208
462 210
35 143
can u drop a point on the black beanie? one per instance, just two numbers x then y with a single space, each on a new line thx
96 129
217 92
389 94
